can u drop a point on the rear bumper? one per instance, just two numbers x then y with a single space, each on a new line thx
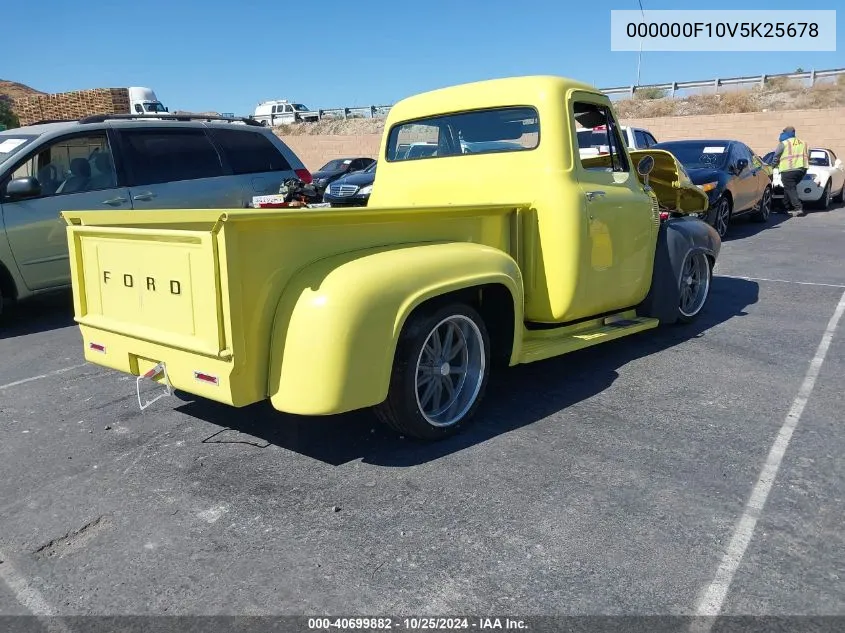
808 191
135 357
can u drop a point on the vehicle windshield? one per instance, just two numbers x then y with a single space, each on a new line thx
154 107
369 168
299 107
11 144
698 154
336 165
819 158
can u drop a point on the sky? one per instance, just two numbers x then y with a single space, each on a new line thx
225 56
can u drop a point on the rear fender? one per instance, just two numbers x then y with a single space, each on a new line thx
338 321
676 238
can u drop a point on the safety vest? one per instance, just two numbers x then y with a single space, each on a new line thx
794 155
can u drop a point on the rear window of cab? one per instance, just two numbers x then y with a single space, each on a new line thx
510 129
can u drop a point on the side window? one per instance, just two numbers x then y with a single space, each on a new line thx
72 165
651 140
640 137
249 152
288 108
741 152
158 155
139 109
599 140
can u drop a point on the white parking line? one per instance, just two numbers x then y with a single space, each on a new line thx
783 281
25 594
29 597
40 376
713 597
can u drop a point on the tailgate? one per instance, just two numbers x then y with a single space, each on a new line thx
159 285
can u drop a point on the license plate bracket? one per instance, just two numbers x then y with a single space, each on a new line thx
151 375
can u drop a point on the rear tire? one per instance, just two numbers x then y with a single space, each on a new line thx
840 197
765 207
824 201
439 373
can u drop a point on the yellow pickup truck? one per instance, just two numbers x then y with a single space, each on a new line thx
501 245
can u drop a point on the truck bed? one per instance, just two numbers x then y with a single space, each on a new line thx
200 288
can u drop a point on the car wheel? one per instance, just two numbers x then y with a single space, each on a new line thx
439 373
722 216
765 207
840 197
824 201
694 285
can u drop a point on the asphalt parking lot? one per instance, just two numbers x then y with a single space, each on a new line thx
621 479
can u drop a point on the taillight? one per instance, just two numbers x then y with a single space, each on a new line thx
97 347
304 175
208 378
664 215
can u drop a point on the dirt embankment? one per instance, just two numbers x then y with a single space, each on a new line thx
778 94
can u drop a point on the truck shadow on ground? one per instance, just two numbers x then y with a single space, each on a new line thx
743 227
41 314
516 397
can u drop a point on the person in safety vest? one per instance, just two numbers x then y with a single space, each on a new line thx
791 160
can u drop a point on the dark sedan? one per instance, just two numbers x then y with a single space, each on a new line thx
352 190
338 168
734 178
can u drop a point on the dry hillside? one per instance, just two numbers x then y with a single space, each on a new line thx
776 95
15 90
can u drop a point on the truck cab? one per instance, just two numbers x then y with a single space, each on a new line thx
498 245
144 101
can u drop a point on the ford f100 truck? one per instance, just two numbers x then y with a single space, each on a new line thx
513 251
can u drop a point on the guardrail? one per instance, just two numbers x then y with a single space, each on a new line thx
671 90
812 76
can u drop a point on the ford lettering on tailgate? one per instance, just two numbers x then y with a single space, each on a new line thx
129 282
154 287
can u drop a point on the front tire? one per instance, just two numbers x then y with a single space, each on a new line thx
694 284
439 373
722 216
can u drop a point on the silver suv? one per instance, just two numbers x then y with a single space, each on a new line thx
122 162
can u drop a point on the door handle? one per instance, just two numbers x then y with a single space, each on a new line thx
146 195
594 194
114 202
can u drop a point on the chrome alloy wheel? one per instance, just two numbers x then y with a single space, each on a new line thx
450 370
694 284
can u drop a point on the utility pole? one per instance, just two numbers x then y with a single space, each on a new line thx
640 53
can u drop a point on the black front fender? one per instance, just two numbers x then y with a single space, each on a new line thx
676 238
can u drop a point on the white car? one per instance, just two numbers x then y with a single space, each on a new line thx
824 181
594 141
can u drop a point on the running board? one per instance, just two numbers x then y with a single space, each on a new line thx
542 344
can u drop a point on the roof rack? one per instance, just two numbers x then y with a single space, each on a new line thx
45 121
99 118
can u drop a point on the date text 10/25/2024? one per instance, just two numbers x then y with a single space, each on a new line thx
415 624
